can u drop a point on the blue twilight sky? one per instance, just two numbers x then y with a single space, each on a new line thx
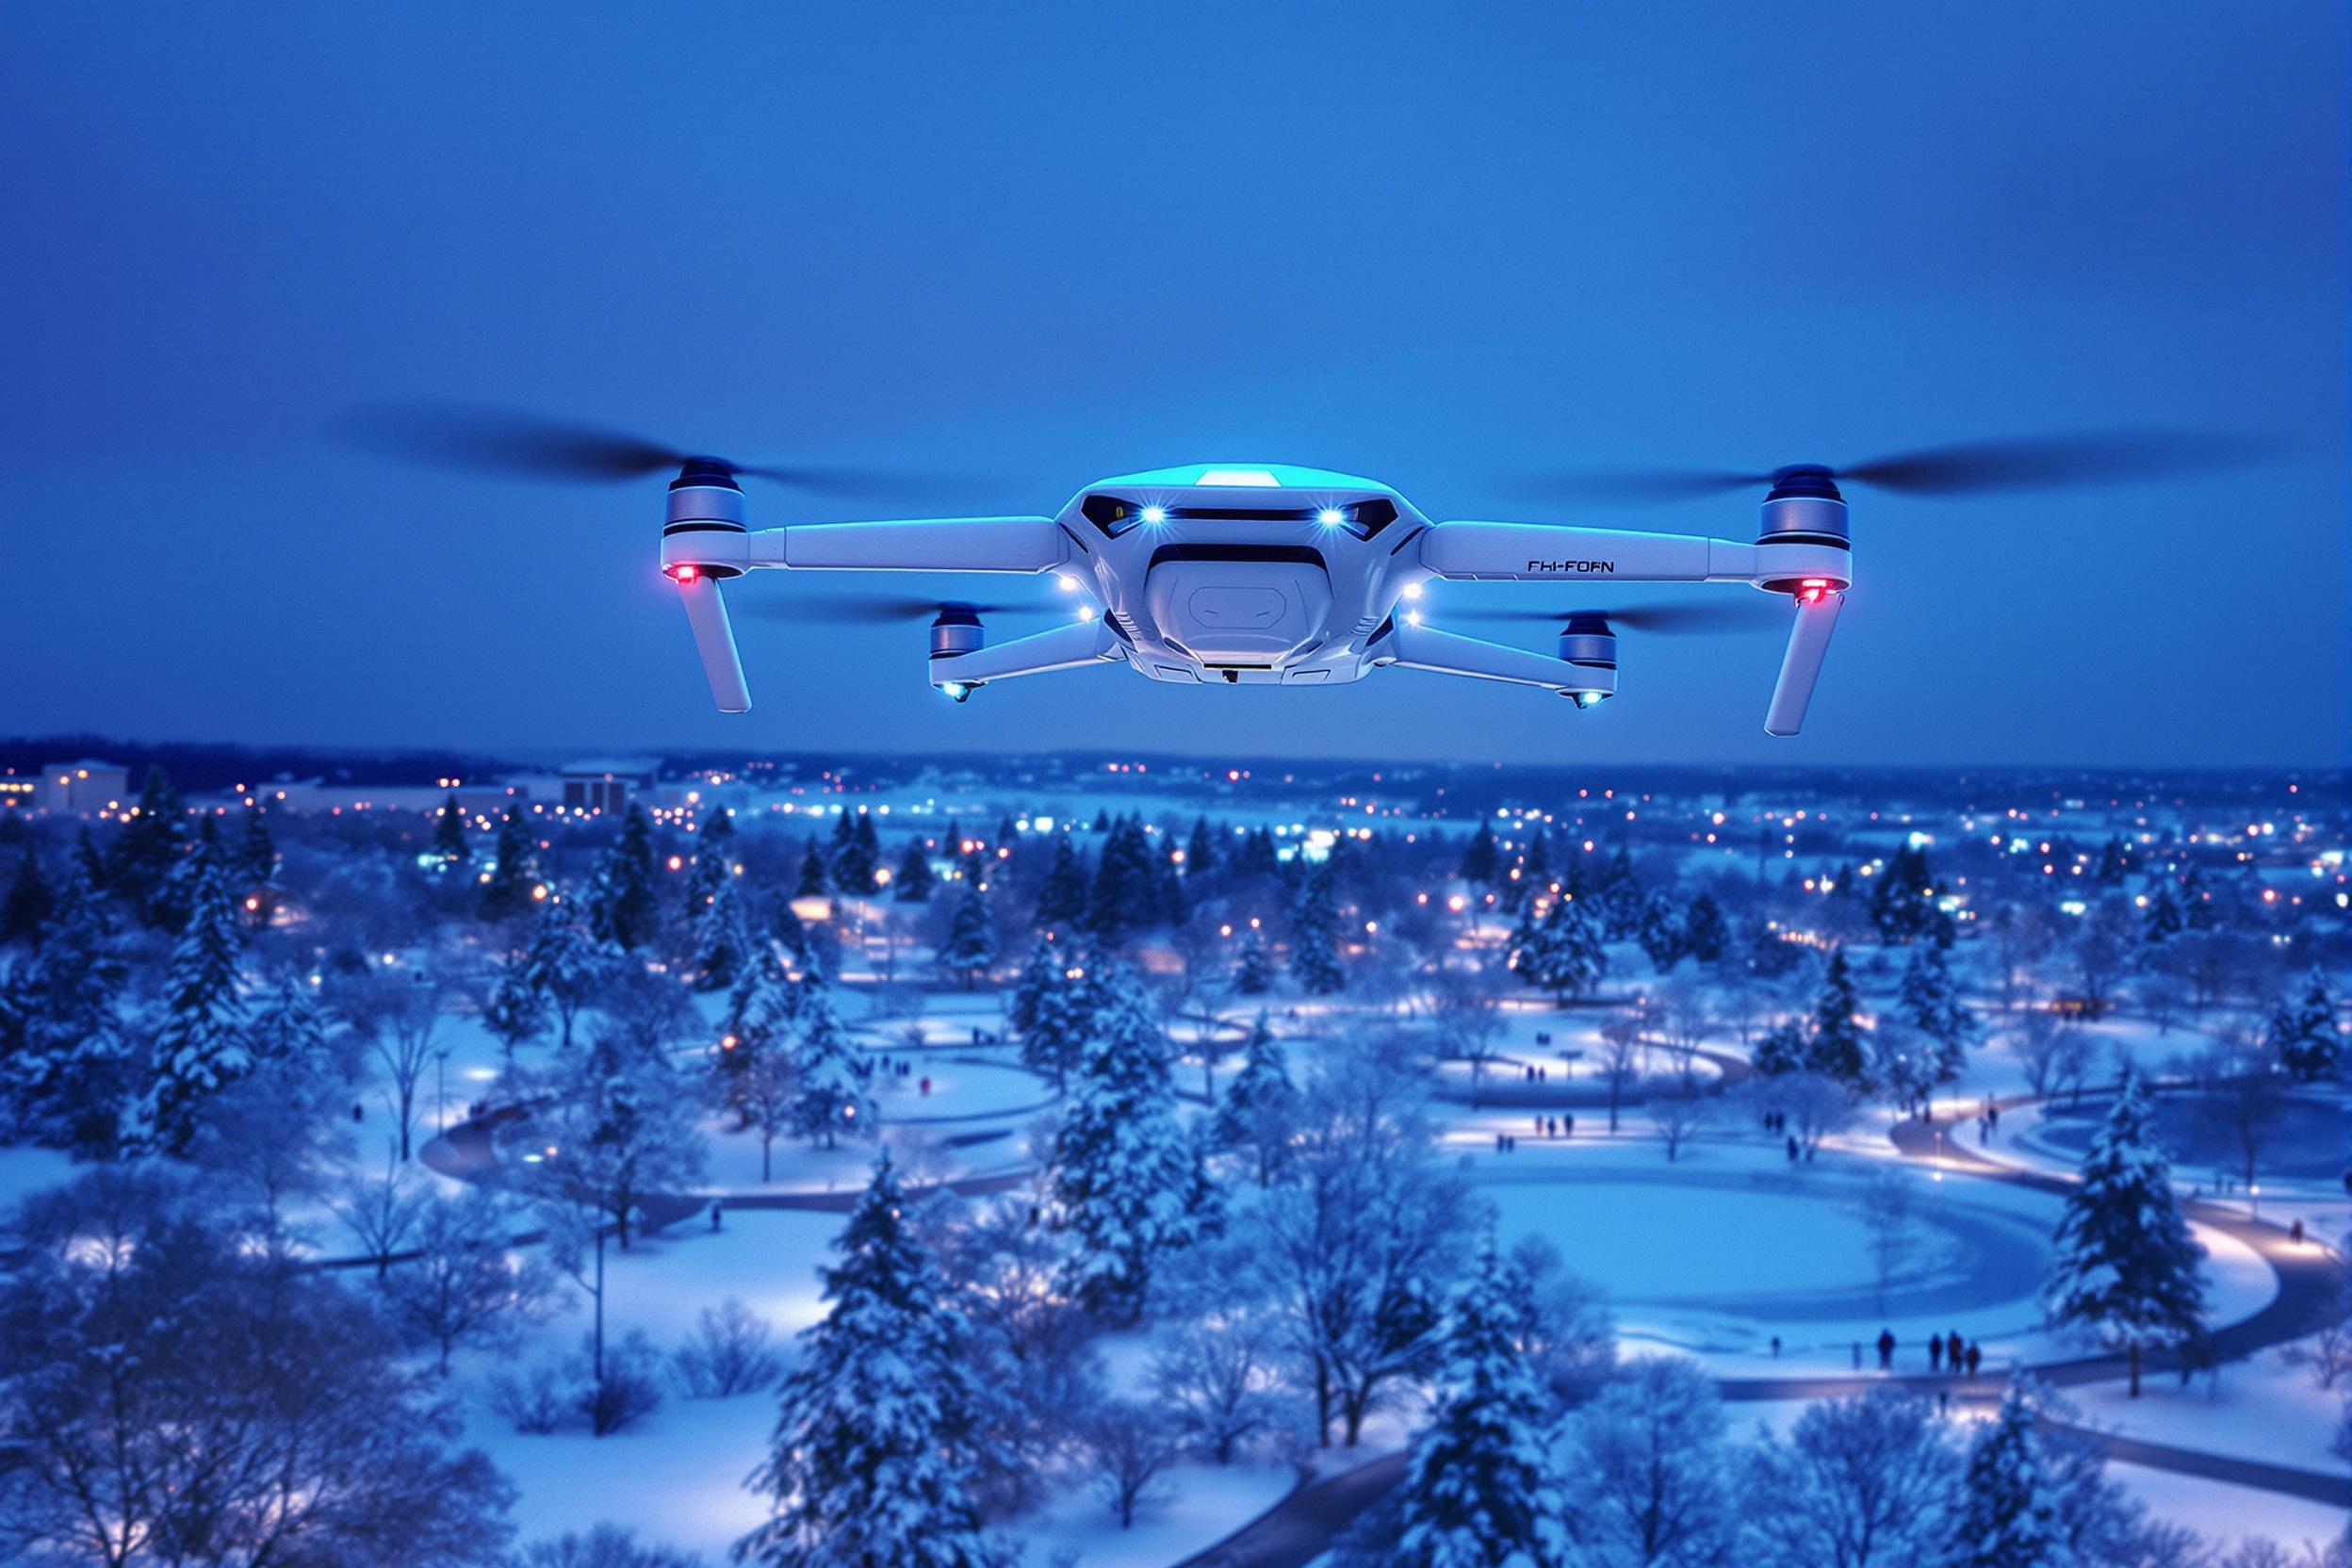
1446 246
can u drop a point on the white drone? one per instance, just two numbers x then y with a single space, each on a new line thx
1265 575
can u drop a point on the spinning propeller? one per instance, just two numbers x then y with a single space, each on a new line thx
1966 469
509 443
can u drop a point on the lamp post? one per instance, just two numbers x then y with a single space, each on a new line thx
441 1089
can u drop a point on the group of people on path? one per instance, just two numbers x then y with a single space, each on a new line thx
1962 1357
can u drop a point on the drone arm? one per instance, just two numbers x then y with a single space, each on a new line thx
1424 648
920 545
1540 552
1064 647
1808 640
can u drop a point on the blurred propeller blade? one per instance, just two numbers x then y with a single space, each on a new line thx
508 443
504 442
1965 468
2055 461
1674 616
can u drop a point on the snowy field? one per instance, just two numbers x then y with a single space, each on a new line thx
1714 1254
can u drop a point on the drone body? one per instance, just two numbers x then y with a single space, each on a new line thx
1264 575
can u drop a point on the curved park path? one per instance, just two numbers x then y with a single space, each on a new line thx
1303 1526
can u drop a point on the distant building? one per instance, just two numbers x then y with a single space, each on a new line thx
85 788
607 784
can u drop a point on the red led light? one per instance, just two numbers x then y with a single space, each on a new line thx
683 574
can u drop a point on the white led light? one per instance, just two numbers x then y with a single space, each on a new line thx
1256 479
1330 516
1156 514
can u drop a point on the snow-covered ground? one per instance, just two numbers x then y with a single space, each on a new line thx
2224 1514
678 1477
2266 1408
1715 1253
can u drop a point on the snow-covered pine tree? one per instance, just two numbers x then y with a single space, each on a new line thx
1525 932
621 907
1482 1488
854 855
971 947
1260 1102
722 942
1617 898
91 864
1779 1050
29 901
2302 1031
713 863
2162 920
1062 899
1059 1011
1537 871
1314 936
1125 895
288 1040
148 845
2126 1268
1567 957
199 1043
1479 858
2008 1514
1705 935
1254 970
870 1462
840 853
566 965
829 1098
68 1070
869 851
913 881
2196 902
1039 973
1128 1177
1933 1002
1200 850
288 1037
168 908
1660 933
1835 1047
815 881
512 1009
449 834
506 894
